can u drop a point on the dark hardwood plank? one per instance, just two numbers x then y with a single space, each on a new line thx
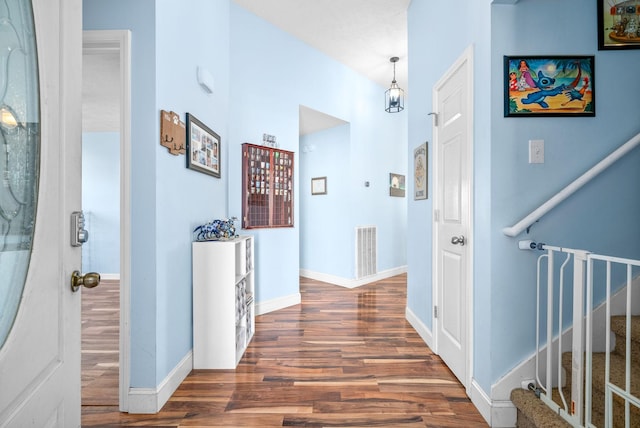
100 344
341 358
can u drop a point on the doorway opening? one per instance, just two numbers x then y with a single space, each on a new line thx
105 200
324 171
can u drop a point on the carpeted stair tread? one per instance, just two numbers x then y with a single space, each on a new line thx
598 387
536 413
619 326
617 370
533 413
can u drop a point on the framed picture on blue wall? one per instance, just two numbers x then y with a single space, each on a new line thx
549 86
396 185
203 147
618 24
420 170
319 186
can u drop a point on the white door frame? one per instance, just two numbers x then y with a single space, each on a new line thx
467 56
111 41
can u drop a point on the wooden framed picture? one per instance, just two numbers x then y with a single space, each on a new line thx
203 147
549 86
618 24
319 186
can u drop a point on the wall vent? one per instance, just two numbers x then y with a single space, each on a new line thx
366 251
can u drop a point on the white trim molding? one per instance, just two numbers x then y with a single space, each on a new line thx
151 400
278 303
351 282
420 328
497 413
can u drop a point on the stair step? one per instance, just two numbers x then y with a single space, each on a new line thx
617 369
598 387
619 328
532 412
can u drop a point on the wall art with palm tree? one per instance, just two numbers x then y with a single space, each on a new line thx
549 86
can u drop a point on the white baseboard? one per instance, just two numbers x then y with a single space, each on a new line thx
110 276
481 401
151 400
497 413
419 327
352 282
279 303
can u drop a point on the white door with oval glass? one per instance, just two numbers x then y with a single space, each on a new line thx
40 127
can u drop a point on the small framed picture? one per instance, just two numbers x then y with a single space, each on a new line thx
319 186
396 185
549 86
618 24
420 179
203 147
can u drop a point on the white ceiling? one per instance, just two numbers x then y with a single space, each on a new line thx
362 34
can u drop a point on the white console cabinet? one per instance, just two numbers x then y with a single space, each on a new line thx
223 307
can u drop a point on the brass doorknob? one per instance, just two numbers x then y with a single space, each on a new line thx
88 280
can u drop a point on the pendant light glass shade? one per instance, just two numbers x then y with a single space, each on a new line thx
394 96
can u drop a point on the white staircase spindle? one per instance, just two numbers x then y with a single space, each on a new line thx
549 382
577 348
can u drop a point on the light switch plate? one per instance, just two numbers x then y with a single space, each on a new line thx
536 151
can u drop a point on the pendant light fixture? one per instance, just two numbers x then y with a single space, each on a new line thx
394 96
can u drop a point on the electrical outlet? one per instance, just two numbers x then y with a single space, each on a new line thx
536 151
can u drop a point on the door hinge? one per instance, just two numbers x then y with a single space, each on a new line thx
435 312
436 215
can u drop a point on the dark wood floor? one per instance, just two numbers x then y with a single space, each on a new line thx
342 358
100 343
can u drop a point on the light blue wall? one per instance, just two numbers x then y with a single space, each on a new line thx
261 77
168 200
101 201
506 187
273 74
186 198
327 242
430 56
599 217
139 17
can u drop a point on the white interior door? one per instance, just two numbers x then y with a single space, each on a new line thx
40 359
452 217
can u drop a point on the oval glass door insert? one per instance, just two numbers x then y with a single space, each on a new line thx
19 153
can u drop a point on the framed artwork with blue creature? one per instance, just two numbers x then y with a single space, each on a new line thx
549 86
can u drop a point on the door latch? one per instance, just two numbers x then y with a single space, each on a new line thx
78 233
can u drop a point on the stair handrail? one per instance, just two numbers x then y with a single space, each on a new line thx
555 200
